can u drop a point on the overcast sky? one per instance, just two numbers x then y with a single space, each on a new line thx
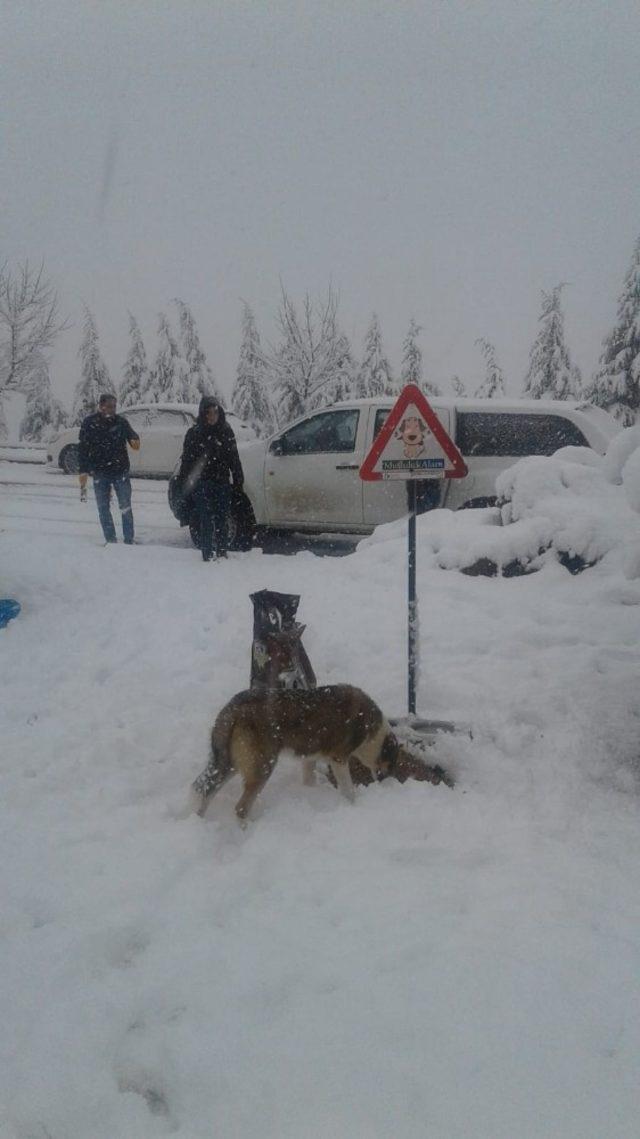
443 160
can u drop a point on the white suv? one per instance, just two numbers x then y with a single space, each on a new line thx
306 477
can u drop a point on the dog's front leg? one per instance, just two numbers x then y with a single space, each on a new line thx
343 779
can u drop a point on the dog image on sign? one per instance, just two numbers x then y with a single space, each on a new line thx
412 432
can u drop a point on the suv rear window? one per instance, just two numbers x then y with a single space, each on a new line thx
495 433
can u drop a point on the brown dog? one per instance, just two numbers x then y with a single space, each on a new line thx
337 723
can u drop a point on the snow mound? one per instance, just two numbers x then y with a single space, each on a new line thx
575 507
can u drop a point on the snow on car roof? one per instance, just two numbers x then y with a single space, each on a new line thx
190 408
470 403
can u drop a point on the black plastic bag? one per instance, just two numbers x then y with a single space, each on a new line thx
278 657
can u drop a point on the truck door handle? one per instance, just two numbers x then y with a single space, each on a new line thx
347 466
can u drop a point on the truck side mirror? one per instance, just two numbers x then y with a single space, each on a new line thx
277 447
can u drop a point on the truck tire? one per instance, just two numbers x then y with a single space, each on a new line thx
194 531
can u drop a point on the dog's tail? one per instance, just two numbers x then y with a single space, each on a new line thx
219 767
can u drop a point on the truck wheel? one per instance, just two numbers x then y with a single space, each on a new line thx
69 459
234 541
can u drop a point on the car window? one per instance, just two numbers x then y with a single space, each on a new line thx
329 431
168 420
517 434
382 415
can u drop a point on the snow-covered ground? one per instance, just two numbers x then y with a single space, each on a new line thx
426 964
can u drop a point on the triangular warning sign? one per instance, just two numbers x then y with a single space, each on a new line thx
412 444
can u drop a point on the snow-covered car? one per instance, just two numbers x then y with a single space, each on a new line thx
161 427
306 476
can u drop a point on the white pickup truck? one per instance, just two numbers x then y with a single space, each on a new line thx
306 476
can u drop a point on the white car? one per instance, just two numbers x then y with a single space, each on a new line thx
161 427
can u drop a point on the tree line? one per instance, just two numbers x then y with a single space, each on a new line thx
311 364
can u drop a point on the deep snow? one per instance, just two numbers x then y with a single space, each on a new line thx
427 963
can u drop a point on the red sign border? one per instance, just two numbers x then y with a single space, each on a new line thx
411 394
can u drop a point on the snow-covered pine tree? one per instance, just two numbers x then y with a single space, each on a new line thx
197 377
135 373
551 375
616 384
94 375
411 371
375 377
44 417
250 398
312 362
166 383
492 386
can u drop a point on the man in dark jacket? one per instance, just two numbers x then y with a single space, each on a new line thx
103 454
209 460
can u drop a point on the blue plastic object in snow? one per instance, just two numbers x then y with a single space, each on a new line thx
8 609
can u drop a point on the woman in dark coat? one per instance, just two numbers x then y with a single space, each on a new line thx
209 460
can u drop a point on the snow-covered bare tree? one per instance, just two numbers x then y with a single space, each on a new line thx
166 384
94 375
458 386
375 377
29 322
4 367
492 386
551 375
343 384
135 373
44 416
312 362
616 384
250 397
197 377
411 371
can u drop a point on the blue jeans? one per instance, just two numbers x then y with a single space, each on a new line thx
211 501
102 486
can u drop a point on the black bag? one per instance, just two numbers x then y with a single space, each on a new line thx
179 502
278 657
242 512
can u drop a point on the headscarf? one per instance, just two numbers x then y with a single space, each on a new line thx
206 402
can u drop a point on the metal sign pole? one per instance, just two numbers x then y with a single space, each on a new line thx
412 643
412 444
